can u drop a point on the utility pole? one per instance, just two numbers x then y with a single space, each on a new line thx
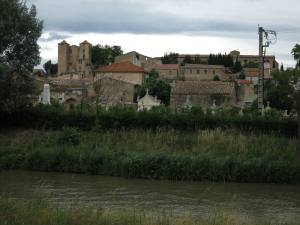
271 37
260 90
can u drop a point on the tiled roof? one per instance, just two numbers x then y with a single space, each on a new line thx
203 66
202 87
121 67
166 66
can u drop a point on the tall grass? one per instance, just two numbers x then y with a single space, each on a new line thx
38 212
210 155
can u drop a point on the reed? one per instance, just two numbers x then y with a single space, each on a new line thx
209 155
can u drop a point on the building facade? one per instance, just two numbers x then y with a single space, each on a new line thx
75 59
202 94
202 72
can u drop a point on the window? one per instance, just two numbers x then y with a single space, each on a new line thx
83 56
205 71
170 72
198 71
191 71
214 72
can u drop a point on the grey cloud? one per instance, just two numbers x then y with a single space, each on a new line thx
53 36
141 17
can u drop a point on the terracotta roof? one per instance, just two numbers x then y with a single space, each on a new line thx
121 67
202 87
203 66
166 66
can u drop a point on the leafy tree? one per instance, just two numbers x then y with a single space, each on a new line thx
171 58
156 87
104 55
19 52
220 59
280 91
296 54
50 68
216 78
281 67
188 60
237 67
242 76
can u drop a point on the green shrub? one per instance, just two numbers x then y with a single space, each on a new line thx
69 136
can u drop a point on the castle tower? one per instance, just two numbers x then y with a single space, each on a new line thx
84 65
74 58
63 57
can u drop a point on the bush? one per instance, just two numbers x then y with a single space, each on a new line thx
69 136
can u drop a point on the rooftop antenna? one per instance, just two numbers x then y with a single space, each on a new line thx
266 38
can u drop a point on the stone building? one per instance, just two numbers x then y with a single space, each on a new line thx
113 92
124 71
146 62
251 74
168 71
75 59
244 59
246 93
202 72
202 94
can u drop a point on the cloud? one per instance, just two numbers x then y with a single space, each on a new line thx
53 36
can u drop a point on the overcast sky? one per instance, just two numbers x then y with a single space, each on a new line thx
153 27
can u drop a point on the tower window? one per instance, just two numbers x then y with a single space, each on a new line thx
198 71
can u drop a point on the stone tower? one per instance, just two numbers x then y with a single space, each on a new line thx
84 64
63 57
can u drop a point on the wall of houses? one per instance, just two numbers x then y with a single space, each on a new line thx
202 72
134 78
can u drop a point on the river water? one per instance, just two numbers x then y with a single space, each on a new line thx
253 202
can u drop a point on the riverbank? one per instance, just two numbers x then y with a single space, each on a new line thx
210 155
38 212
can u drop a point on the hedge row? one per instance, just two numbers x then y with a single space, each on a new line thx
129 119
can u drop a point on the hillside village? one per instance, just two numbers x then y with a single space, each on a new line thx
193 81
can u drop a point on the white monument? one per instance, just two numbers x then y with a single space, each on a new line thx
46 95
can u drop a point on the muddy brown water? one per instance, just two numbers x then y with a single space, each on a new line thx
251 202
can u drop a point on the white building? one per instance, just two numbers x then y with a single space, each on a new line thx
147 102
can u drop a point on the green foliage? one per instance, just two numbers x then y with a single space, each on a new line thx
104 55
19 53
188 60
216 78
220 59
209 155
251 64
170 58
279 91
69 136
51 69
156 87
237 67
296 53
242 75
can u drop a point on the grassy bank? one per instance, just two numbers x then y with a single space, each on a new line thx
210 155
14 212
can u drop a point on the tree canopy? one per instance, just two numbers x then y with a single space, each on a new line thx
170 58
156 87
50 68
104 55
19 52
220 59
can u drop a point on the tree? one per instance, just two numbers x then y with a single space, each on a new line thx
104 55
237 67
156 87
50 68
216 78
296 54
19 52
188 60
171 58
